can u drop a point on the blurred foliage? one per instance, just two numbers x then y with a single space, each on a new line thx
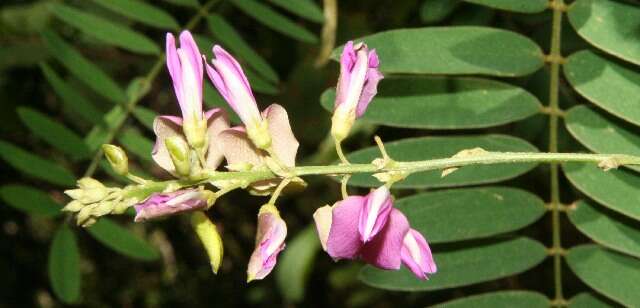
75 74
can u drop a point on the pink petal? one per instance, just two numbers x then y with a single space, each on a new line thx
416 255
375 213
283 141
165 204
323 217
189 44
218 82
344 240
384 251
165 127
347 61
228 59
216 122
270 236
236 147
173 64
369 89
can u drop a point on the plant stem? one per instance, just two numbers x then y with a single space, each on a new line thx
555 57
149 78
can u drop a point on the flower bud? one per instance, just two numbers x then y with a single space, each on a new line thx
270 236
165 204
180 154
73 206
210 238
117 158
89 183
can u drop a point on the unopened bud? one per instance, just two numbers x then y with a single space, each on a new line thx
259 135
210 238
89 183
117 158
179 152
73 206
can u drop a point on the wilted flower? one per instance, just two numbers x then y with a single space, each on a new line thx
368 227
270 236
210 238
159 205
357 84
227 76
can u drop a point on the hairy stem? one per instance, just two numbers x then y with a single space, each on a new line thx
555 59
148 78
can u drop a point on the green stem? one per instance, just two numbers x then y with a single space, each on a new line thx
488 158
555 57
149 78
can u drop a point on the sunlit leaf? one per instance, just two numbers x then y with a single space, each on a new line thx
520 6
34 166
231 39
142 12
607 227
83 69
303 8
454 50
413 149
64 265
445 103
274 20
468 264
612 274
296 263
615 189
54 133
470 213
520 299
105 30
122 240
608 84
609 25
30 200
602 134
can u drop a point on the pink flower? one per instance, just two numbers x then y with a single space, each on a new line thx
227 76
270 237
368 227
357 85
186 70
165 204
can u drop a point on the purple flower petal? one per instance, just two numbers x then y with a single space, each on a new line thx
369 90
164 204
347 61
416 255
270 236
384 250
375 213
173 65
344 239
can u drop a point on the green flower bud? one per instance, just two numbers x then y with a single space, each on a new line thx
180 155
73 206
117 158
210 238
89 183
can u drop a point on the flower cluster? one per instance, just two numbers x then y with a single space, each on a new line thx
365 227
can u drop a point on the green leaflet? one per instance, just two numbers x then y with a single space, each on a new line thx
469 264
136 143
615 189
433 11
304 8
145 116
122 240
105 30
83 69
609 25
54 133
412 149
612 274
444 103
588 300
296 264
64 266
231 39
142 12
30 200
34 166
274 20
606 227
520 6
608 84
520 299
465 213
602 134
454 50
